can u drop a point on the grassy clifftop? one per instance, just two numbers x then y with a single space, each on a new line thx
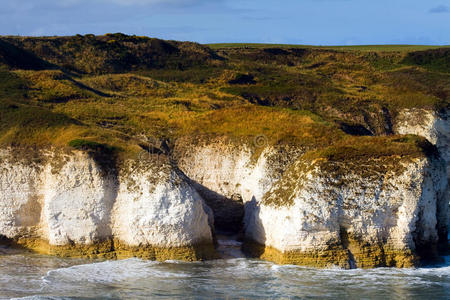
116 89
111 53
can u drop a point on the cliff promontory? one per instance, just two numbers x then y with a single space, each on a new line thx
121 146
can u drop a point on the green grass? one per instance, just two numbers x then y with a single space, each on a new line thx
361 148
109 92
381 48
11 85
371 158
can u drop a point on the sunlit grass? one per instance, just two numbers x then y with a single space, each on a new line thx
295 96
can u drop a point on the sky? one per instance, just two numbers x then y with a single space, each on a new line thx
311 22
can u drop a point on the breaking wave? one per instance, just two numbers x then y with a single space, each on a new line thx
30 276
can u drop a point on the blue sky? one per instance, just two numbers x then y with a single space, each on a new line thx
318 22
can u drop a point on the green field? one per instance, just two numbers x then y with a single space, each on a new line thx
383 48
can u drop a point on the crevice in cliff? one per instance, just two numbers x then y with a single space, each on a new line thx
388 126
228 211
427 251
353 128
345 241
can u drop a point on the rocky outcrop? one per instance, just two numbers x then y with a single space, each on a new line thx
434 126
367 213
344 208
70 204
228 174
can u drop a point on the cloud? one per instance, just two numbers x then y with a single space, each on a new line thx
24 4
134 2
153 2
144 2
441 9
57 9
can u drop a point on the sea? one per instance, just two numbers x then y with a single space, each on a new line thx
24 275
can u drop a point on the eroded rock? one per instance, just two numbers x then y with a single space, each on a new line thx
362 213
68 205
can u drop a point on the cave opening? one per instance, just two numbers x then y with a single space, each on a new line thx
228 221
228 211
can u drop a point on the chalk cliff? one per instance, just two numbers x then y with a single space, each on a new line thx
359 212
69 204
229 174
351 214
434 126
336 206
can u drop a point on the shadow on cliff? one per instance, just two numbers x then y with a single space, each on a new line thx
252 224
9 246
228 212
107 160
429 252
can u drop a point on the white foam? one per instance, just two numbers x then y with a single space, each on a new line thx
110 272
236 278
36 297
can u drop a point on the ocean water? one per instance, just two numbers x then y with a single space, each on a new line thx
32 276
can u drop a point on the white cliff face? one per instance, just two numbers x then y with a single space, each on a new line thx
157 206
20 200
291 204
75 202
308 209
228 169
435 127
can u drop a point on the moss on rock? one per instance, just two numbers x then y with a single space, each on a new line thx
115 249
356 255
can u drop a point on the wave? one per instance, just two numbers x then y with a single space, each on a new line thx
233 278
111 272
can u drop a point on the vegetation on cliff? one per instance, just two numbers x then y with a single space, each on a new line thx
116 89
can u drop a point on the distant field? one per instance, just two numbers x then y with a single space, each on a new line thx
398 48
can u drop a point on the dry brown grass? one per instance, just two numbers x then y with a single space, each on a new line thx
296 95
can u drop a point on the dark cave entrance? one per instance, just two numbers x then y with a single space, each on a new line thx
228 211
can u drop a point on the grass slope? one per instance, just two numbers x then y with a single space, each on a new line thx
115 90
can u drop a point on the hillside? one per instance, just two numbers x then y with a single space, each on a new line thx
120 146
119 90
